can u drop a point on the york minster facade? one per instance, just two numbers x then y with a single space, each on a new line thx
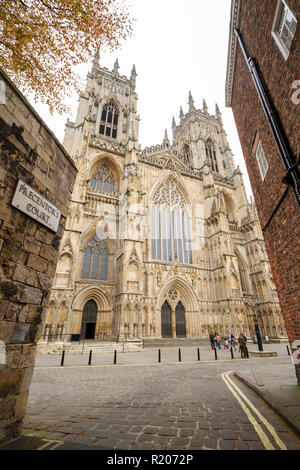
159 242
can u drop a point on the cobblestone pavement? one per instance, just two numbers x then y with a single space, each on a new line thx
188 406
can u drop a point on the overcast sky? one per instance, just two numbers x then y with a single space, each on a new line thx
177 46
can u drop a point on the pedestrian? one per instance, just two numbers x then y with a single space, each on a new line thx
212 339
242 344
226 343
218 339
231 340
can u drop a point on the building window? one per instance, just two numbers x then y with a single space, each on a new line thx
102 180
284 28
261 160
186 154
211 154
109 120
170 224
95 260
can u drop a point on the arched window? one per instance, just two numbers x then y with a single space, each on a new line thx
242 275
186 154
95 260
103 180
109 120
170 225
211 153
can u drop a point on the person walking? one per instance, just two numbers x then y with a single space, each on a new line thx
226 343
218 341
242 344
212 339
231 340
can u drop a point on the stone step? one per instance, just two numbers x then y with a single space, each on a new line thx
97 348
168 342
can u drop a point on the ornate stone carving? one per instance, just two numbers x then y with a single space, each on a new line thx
130 169
168 194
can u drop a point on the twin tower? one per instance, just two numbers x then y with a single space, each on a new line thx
159 242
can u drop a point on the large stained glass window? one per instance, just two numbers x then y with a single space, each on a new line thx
102 180
95 260
170 235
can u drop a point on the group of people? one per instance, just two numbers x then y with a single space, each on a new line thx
229 342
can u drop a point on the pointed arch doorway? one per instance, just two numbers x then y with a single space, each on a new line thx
166 320
180 321
89 320
176 326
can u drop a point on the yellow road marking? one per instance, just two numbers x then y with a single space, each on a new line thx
263 437
48 443
270 428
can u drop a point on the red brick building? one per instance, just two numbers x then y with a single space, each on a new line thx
269 31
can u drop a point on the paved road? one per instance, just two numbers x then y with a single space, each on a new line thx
187 405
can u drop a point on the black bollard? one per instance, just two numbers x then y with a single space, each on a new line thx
159 357
198 353
90 358
179 355
62 358
115 357
231 350
216 357
288 350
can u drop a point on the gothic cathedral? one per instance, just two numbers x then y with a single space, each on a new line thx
160 242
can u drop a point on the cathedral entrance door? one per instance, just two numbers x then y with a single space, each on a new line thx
180 321
166 321
89 319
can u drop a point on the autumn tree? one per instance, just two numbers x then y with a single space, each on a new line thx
41 41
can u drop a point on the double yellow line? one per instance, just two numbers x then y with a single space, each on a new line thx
238 394
50 445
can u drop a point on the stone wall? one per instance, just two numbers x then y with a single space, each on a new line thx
28 249
276 204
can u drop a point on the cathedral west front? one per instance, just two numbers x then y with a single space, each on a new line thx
160 242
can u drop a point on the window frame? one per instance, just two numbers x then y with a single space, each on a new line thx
103 259
265 165
107 124
102 180
170 225
210 151
281 6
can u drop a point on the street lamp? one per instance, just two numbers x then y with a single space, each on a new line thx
259 341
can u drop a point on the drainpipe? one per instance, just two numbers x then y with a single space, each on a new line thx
292 177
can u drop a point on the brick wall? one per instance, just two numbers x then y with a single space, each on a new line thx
28 250
281 228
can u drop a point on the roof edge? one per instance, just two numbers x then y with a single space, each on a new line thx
234 23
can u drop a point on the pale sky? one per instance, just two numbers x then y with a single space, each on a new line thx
177 46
